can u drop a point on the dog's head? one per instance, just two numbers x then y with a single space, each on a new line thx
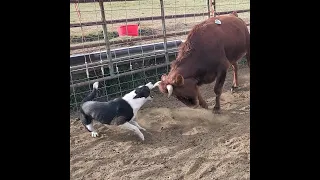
144 92
139 96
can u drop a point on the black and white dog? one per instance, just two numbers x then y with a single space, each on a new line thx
120 111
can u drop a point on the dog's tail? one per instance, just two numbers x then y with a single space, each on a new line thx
92 94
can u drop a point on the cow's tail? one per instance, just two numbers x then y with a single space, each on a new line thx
248 48
248 56
92 94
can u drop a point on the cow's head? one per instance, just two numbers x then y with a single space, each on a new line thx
185 90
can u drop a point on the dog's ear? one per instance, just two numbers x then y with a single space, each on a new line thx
138 92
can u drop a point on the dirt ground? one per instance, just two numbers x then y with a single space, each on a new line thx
180 142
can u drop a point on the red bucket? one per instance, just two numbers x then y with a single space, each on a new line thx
128 30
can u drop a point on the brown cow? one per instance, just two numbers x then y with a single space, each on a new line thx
205 56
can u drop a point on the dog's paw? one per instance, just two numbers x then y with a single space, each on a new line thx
142 138
94 134
143 129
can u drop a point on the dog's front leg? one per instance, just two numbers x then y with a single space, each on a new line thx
133 128
90 127
134 122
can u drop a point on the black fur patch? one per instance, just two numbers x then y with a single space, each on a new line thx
118 120
106 112
143 91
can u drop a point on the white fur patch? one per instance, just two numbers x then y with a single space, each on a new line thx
95 85
149 85
90 127
136 103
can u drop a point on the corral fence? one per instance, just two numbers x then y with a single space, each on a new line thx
120 63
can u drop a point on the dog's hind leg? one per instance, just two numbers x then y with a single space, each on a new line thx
88 123
133 128
135 123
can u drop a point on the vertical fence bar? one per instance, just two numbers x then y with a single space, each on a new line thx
164 32
209 7
74 92
214 8
106 39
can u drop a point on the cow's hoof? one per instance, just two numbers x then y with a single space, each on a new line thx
234 88
205 106
216 110
195 106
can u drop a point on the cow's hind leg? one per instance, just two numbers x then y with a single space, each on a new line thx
235 83
220 79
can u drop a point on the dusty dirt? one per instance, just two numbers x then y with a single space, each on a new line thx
180 142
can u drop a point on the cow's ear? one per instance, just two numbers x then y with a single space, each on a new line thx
179 81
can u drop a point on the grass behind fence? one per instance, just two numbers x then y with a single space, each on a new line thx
144 8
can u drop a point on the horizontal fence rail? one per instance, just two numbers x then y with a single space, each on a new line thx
93 1
150 18
122 60
77 60
128 40
117 76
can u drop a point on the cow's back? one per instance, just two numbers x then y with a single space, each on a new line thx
230 38
208 45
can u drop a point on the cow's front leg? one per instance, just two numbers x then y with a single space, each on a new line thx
202 102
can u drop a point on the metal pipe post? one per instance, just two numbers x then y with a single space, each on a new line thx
106 39
164 32
209 7
214 8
